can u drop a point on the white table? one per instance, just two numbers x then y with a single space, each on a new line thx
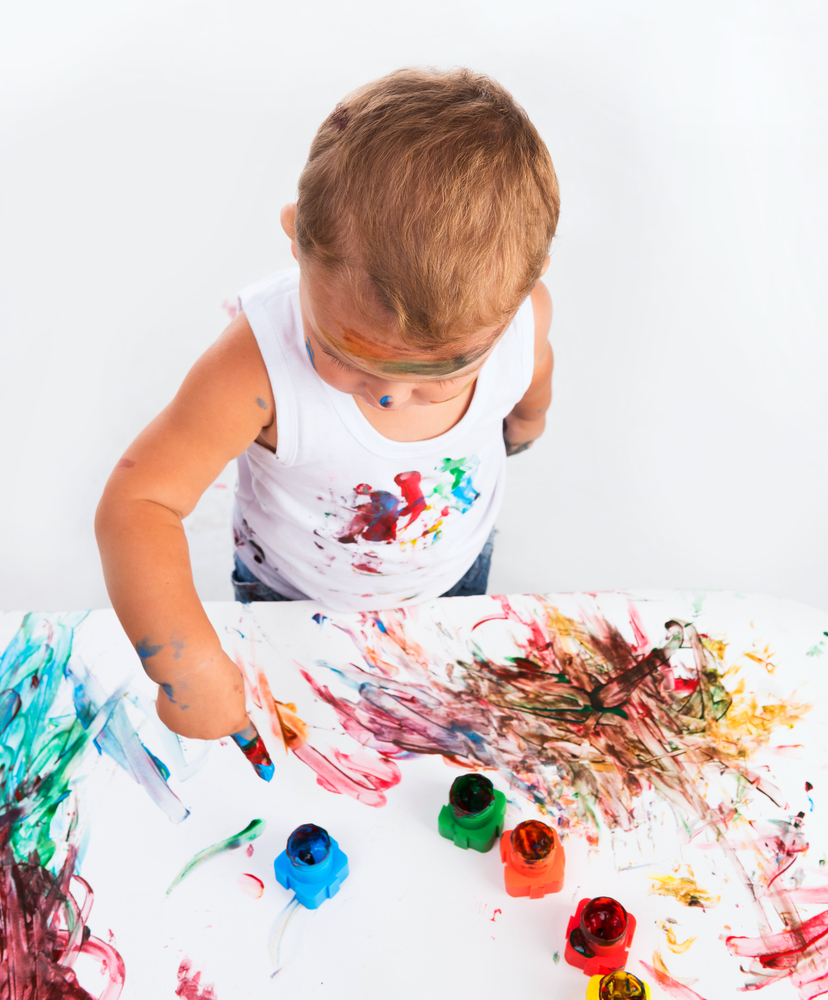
700 805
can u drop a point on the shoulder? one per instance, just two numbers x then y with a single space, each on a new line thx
232 372
542 309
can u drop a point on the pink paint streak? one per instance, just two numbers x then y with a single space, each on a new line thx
672 986
189 986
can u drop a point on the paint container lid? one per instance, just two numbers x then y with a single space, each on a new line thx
470 795
308 845
621 986
532 842
603 922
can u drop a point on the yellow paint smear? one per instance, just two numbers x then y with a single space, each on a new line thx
685 890
662 970
675 946
749 724
716 646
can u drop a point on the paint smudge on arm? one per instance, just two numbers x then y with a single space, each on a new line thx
146 649
125 463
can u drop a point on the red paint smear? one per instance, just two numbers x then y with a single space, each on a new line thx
256 753
786 949
36 950
673 987
366 567
494 915
409 483
250 850
125 463
361 775
189 987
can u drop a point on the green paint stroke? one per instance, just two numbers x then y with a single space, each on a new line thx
255 828
52 714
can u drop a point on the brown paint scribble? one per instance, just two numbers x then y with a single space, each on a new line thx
683 890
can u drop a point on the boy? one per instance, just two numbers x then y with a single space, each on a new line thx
367 394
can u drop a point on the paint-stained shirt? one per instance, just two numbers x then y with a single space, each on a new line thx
340 513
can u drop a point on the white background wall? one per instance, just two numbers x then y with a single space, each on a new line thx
146 147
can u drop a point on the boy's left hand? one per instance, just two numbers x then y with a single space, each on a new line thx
518 435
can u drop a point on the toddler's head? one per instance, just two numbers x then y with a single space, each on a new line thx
425 215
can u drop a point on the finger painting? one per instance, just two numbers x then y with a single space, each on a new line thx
673 742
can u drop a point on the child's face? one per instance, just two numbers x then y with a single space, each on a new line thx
360 358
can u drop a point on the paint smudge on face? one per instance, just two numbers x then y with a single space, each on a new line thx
250 885
125 463
255 828
261 403
684 890
386 401
310 353
189 984
53 714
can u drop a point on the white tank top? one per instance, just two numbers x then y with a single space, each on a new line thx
346 516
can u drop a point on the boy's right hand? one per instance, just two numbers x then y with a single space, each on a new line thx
205 702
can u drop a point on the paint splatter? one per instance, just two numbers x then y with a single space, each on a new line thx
255 828
386 517
189 984
673 943
684 890
250 885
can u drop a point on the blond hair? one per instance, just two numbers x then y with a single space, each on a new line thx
434 194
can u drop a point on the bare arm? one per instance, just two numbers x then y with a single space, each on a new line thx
527 420
221 407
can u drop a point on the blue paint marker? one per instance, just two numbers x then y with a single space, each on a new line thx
386 400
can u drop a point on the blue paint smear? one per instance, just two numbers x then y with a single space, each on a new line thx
380 626
311 355
319 618
145 650
52 712
386 400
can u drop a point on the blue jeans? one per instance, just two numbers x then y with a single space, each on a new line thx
250 588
